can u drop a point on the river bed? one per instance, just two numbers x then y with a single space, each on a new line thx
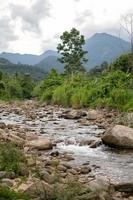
116 165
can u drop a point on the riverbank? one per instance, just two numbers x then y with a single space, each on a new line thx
67 143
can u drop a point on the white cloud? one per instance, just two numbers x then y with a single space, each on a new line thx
32 26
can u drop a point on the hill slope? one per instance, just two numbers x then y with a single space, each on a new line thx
10 68
104 47
101 47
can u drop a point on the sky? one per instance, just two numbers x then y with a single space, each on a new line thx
34 26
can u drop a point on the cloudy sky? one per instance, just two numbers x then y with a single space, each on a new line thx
33 26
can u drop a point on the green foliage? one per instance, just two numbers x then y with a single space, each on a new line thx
8 194
111 89
11 158
61 95
79 98
71 50
16 87
46 88
27 86
14 90
123 63
11 69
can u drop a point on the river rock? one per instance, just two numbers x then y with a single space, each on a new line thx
85 170
7 182
40 144
119 136
124 187
36 188
62 168
93 115
96 143
73 114
2 125
46 176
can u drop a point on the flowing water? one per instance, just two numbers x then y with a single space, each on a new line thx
117 165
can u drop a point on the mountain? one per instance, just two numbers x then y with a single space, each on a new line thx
104 47
101 47
27 58
11 68
50 62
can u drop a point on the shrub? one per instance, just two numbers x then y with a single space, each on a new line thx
8 194
62 94
80 98
11 158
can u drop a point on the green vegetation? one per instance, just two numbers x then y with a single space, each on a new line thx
110 88
15 87
8 194
36 73
11 158
105 86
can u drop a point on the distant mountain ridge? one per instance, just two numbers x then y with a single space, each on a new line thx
101 47
27 58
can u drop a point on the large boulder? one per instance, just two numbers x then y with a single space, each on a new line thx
40 144
119 136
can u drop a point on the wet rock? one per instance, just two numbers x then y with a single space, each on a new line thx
119 136
68 157
40 144
124 187
85 170
73 114
2 125
55 153
86 142
96 143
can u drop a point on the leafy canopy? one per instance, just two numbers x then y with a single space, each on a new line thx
71 50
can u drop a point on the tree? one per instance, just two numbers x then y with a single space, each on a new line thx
71 50
122 63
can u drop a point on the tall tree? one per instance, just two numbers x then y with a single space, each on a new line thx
71 50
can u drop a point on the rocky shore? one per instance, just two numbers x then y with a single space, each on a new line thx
51 165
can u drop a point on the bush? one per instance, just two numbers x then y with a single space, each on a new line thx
8 194
11 158
123 63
